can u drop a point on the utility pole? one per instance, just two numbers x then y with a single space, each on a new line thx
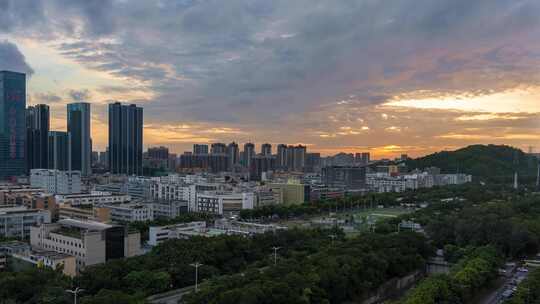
196 265
275 254
75 292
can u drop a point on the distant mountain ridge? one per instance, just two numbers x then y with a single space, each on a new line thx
481 161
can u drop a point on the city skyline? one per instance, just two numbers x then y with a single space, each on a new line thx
284 72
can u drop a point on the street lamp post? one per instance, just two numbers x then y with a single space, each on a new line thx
275 254
196 265
75 292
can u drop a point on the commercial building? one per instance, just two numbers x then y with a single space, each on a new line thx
50 259
85 213
212 163
131 212
169 209
15 221
12 124
224 203
95 198
12 194
246 228
233 152
41 201
363 158
249 152
37 137
200 149
281 156
56 181
260 166
347 177
125 139
266 149
292 193
385 182
218 148
90 242
313 162
137 189
78 126
160 234
59 151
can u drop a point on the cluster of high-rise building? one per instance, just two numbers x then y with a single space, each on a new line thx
26 141
222 157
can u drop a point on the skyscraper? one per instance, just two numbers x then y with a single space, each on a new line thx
59 151
266 149
78 126
234 154
218 148
295 158
249 152
37 137
125 139
12 124
200 149
281 156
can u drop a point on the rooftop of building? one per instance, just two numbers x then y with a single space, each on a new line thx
84 225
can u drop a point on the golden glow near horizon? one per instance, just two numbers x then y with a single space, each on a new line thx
519 100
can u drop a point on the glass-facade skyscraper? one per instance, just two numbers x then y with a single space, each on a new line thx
37 136
125 139
12 124
59 151
78 126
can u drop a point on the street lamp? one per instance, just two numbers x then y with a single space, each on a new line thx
196 265
75 292
275 254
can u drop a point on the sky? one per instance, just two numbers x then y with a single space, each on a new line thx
388 77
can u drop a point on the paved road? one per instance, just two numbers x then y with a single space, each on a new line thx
170 297
498 295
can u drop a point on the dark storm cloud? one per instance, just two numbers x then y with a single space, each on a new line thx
12 59
239 60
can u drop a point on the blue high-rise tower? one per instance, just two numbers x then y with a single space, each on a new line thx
12 124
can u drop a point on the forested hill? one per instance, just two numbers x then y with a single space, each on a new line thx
481 161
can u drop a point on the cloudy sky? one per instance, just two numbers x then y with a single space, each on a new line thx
391 77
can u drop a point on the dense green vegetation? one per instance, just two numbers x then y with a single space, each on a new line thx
493 163
346 271
472 192
528 291
34 286
312 268
512 224
473 272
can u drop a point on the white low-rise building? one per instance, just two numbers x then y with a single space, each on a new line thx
159 234
56 181
224 203
89 242
15 221
132 212
95 198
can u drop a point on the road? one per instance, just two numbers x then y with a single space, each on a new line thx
499 295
